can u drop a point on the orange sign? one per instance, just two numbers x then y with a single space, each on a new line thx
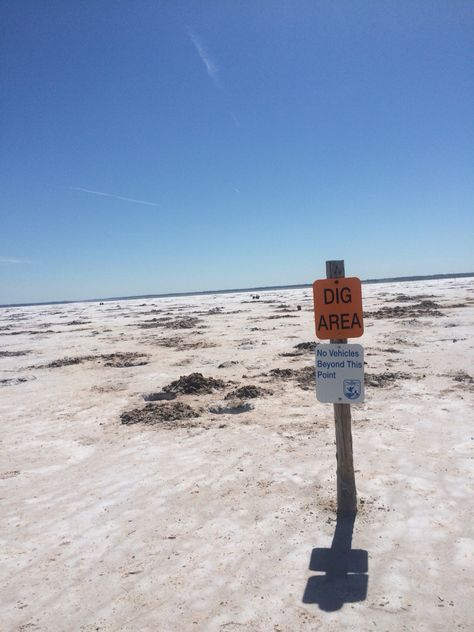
338 308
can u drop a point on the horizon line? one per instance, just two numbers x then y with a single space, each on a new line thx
262 288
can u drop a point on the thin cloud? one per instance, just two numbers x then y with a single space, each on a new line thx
11 260
113 195
206 59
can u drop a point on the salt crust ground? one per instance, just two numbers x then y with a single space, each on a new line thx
110 527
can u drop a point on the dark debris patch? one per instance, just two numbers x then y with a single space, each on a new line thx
195 384
248 392
13 354
301 348
152 323
463 378
306 347
183 323
168 415
123 360
404 298
424 308
227 364
282 374
169 343
118 360
233 407
13 381
78 322
382 380
303 377
31 332
159 396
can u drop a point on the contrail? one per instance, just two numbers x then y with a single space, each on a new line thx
206 59
113 195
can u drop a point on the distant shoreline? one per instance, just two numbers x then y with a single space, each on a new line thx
428 277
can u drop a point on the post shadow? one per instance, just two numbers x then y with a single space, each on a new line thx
346 570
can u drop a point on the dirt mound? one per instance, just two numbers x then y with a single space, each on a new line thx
403 298
304 377
188 322
382 380
119 360
165 415
200 344
174 341
283 374
227 364
194 384
234 407
67 361
424 308
248 392
307 347
154 322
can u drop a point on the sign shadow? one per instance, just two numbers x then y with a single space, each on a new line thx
345 578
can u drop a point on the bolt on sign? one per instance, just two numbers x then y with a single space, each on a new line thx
338 308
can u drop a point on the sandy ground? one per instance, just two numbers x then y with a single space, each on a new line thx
209 522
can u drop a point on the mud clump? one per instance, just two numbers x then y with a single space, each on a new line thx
248 392
194 384
382 380
165 415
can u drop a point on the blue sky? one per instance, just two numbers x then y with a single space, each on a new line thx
158 146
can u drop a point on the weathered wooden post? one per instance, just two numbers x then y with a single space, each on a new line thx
340 366
346 487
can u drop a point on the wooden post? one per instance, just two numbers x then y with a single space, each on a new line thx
346 487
